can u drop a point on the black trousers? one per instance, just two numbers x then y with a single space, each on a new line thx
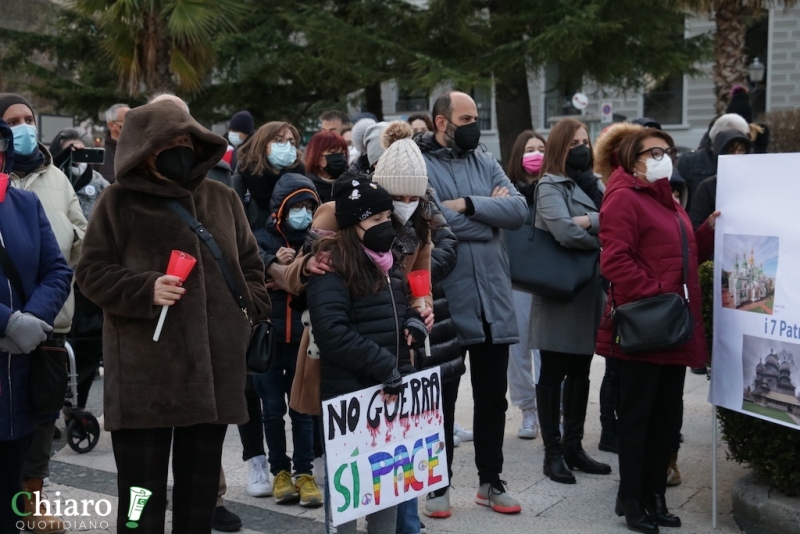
649 416
488 368
252 432
142 457
609 394
11 455
556 366
449 398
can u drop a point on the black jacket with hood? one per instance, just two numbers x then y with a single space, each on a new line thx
360 339
276 234
704 200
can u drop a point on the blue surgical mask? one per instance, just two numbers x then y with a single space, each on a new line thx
234 139
299 218
24 139
282 154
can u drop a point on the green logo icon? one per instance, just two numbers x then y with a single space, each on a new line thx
139 497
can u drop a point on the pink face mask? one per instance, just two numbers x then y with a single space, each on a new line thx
532 162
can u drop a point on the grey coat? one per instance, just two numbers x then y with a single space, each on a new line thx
557 325
479 288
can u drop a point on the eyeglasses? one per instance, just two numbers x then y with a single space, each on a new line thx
657 153
281 140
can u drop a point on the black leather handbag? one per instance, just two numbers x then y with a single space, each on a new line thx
48 360
655 323
541 265
262 339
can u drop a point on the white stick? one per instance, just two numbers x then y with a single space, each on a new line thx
160 322
428 337
714 468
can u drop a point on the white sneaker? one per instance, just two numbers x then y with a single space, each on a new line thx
258 484
462 434
456 441
530 427
45 482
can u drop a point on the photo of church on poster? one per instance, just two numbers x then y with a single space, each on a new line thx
756 331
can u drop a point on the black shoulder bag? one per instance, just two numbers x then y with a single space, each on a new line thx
541 265
262 340
48 360
659 322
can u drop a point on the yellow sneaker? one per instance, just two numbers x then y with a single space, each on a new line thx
310 496
283 488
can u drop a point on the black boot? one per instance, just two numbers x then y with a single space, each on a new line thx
635 516
608 437
548 400
576 396
656 507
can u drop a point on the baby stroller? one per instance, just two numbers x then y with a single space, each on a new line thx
83 430
85 351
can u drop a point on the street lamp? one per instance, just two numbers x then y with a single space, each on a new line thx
755 71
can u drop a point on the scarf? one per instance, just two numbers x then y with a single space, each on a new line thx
587 181
384 260
28 164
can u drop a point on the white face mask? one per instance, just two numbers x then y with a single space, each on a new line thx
658 169
79 169
404 211
234 139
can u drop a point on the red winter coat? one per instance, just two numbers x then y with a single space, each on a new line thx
642 257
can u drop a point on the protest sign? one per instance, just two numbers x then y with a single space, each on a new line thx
756 292
381 454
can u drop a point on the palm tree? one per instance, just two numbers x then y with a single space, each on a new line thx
161 45
730 18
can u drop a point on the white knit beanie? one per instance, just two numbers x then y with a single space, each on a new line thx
401 170
372 142
358 133
729 121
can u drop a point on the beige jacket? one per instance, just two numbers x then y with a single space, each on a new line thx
64 212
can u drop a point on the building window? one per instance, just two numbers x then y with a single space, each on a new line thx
559 90
483 99
411 101
663 100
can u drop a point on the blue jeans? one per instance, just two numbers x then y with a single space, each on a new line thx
274 388
408 517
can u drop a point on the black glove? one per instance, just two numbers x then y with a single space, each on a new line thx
416 327
393 384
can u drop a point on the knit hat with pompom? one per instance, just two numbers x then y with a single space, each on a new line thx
401 170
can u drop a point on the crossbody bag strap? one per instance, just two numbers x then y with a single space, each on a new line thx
12 273
206 237
685 253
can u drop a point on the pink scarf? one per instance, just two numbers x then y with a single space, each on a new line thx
384 260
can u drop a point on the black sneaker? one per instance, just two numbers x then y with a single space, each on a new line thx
225 520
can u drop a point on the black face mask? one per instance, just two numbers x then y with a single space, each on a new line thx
175 163
578 158
380 237
467 136
336 164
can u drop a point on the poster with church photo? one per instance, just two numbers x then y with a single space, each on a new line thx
749 265
756 306
771 378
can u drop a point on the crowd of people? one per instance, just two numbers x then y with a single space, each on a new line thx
320 239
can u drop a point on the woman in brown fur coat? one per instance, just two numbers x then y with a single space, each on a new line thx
182 391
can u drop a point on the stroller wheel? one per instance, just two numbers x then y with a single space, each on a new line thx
83 433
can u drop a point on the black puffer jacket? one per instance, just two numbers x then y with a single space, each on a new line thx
290 189
255 191
324 187
360 339
445 350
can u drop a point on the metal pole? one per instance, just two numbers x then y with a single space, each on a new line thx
714 468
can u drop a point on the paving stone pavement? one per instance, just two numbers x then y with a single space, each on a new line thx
586 507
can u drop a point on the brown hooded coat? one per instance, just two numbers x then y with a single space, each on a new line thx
196 372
